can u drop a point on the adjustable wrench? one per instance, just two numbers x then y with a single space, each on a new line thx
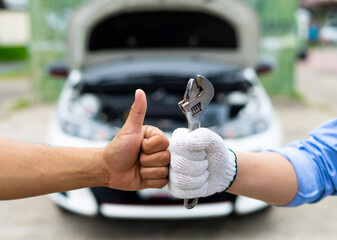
199 93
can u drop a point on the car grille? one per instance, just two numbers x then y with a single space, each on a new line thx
107 195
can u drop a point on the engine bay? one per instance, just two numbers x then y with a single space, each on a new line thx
109 101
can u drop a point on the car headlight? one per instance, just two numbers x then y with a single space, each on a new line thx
254 118
243 128
88 131
87 106
79 116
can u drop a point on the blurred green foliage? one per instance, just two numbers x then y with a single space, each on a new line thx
278 25
49 21
281 80
277 16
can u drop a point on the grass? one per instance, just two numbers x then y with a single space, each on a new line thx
13 53
20 71
22 103
10 56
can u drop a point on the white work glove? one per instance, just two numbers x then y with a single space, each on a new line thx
201 165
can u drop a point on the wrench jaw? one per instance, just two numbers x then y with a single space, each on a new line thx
200 90
206 86
192 90
198 95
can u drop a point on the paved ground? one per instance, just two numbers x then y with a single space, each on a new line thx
38 218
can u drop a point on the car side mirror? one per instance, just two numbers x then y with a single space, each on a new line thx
262 69
266 65
58 70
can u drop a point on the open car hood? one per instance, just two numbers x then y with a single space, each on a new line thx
105 30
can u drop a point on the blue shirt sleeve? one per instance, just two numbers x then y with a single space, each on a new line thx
315 164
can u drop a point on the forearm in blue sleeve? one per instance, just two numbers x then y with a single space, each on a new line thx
315 164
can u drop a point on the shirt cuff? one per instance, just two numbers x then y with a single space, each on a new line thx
308 191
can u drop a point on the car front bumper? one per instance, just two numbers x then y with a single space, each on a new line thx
84 201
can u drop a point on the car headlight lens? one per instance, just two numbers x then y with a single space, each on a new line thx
254 118
88 131
78 116
87 105
244 128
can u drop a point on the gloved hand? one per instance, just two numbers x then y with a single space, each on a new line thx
201 165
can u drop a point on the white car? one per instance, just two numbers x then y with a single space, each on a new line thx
328 33
116 46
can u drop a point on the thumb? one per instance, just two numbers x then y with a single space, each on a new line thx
135 120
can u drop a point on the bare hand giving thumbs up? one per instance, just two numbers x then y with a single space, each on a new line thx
135 159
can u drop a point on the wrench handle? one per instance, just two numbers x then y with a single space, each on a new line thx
188 204
191 203
193 126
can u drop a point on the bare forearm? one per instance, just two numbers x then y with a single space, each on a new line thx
28 169
266 176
